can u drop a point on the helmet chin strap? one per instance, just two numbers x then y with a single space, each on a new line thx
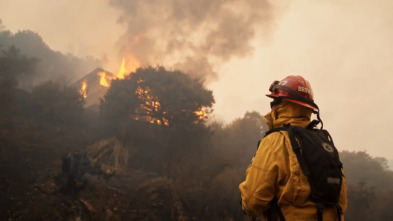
319 119
275 102
318 115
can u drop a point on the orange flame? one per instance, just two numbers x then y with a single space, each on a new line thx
128 65
149 109
201 114
83 90
103 79
122 71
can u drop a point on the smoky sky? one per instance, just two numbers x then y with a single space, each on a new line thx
193 36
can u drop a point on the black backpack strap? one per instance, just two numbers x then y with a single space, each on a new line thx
272 131
339 211
295 145
275 212
312 124
320 208
297 150
285 127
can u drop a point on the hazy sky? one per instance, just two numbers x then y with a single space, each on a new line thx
344 48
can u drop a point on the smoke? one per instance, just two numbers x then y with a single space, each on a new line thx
2 27
189 35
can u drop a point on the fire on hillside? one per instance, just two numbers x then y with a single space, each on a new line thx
94 86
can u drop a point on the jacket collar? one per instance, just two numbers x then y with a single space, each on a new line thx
288 113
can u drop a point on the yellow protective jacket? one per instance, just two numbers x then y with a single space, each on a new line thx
275 172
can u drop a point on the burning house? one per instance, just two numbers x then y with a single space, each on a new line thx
95 84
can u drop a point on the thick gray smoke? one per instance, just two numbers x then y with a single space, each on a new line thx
194 36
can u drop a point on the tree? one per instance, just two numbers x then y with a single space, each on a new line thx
57 104
162 113
232 148
53 65
158 96
361 199
238 140
370 186
361 167
384 206
13 68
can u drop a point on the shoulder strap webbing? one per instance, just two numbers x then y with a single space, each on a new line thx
320 209
279 211
285 127
275 213
339 211
297 150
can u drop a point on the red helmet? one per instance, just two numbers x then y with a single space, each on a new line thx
294 89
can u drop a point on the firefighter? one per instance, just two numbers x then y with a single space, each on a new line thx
275 185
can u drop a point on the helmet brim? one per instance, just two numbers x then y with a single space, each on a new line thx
274 96
303 104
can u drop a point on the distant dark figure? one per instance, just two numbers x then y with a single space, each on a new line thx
72 172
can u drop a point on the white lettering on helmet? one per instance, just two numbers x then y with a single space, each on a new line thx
283 82
304 89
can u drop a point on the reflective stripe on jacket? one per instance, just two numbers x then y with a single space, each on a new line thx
275 172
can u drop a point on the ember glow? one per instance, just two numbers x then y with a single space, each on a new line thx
201 114
149 109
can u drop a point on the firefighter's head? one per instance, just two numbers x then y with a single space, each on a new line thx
294 89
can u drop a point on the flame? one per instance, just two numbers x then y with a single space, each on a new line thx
103 79
150 109
122 71
83 90
128 65
201 114
151 102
